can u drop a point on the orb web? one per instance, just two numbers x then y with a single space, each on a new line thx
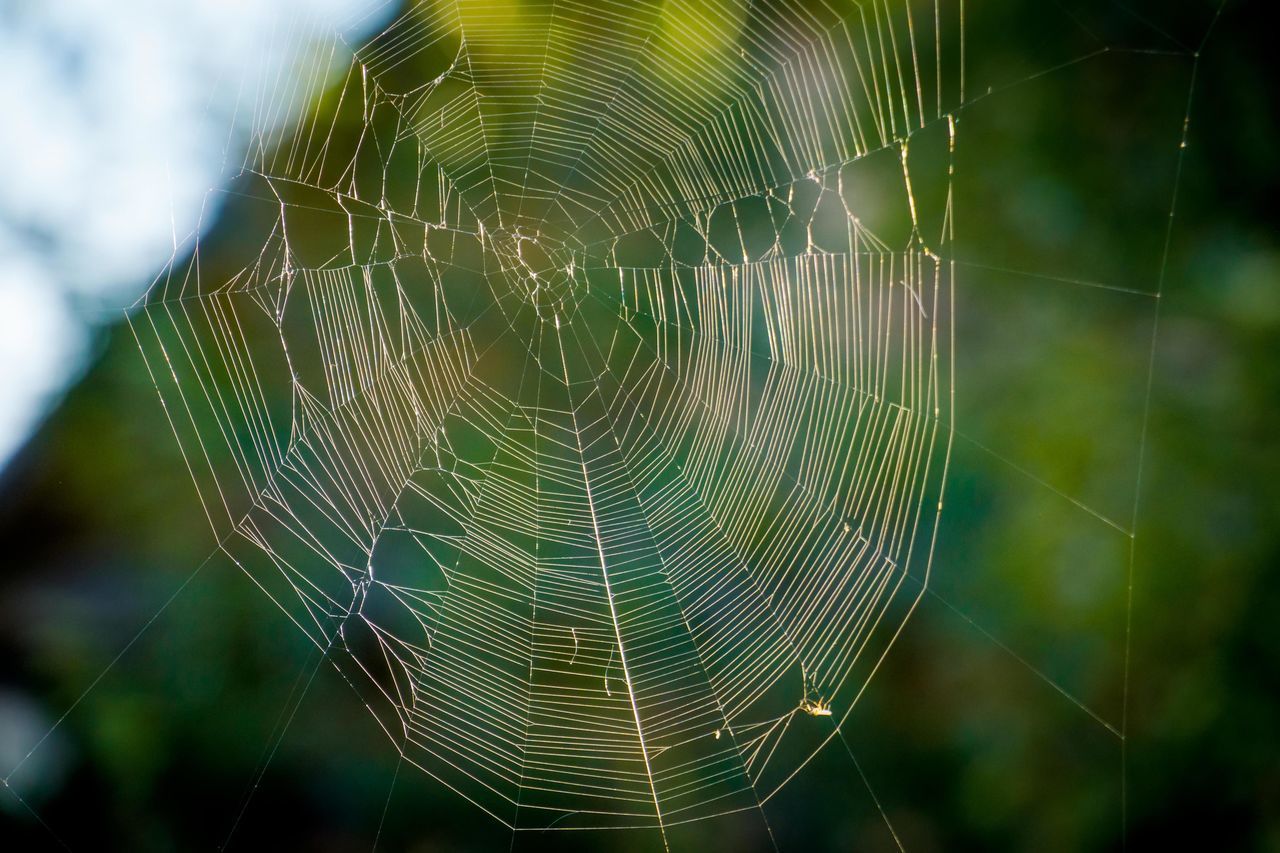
583 394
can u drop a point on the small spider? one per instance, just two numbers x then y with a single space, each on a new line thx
814 703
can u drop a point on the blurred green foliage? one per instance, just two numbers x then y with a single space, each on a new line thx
1066 171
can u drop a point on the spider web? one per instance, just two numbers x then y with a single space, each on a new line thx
585 394
585 397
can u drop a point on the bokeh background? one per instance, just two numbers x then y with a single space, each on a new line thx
990 724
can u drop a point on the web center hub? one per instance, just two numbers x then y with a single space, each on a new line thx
540 271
